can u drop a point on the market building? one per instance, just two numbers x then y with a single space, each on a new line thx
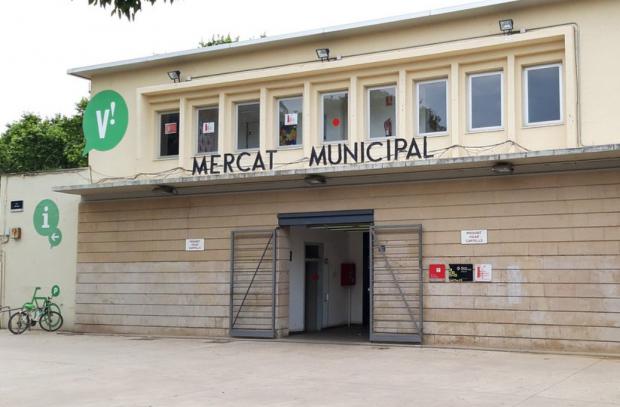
445 178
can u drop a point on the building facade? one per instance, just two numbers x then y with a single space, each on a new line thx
449 178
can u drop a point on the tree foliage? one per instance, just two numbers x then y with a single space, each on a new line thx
37 144
127 8
217 40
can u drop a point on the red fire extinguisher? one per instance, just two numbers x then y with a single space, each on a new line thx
387 126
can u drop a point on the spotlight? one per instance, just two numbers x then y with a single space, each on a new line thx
322 54
315 179
175 76
502 169
166 188
506 26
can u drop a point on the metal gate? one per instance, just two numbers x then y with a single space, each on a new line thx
253 283
396 283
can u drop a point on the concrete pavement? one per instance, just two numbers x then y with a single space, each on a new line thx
82 370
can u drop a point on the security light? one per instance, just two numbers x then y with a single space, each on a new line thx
506 25
502 169
175 76
322 54
315 179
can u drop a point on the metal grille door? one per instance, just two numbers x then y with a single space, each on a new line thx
253 283
396 283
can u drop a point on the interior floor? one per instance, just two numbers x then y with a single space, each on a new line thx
352 334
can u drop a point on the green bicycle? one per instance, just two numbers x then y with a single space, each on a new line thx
39 309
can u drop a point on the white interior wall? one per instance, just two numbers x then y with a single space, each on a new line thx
338 247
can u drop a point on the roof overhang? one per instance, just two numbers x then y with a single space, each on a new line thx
524 163
430 16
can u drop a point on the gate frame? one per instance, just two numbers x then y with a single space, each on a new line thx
400 338
253 333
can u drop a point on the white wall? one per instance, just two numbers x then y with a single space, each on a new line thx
31 261
338 247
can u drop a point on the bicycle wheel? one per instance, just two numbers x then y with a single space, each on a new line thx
19 323
51 321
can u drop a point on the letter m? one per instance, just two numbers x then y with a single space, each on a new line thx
317 158
199 168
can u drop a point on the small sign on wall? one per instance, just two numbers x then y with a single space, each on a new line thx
461 272
208 127
290 119
437 272
474 236
17 206
483 273
194 245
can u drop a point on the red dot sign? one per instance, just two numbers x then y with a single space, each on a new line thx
336 122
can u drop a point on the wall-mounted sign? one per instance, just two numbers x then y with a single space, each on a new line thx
105 121
45 219
437 272
461 272
17 206
483 273
194 245
474 236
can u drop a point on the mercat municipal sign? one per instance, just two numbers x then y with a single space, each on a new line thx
327 154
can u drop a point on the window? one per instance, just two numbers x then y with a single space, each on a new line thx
543 94
208 129
169 134
248 133
486 101
382 112
290 121
432 107
335 112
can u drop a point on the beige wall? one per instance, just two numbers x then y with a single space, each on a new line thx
30 261
588 103
553 241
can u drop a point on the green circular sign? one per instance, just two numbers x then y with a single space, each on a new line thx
105 121
55 238
46 217
55 291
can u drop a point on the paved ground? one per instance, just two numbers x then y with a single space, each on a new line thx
79 370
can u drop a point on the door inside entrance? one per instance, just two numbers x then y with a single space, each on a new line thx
313 288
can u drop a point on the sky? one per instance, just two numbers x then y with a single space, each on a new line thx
41 39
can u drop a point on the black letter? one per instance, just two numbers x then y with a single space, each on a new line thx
271 153
316 159
349 153
400 149
389 149
259 158
201 168
228 160
329 154
426 151
213 164
413 146
242 169
371 145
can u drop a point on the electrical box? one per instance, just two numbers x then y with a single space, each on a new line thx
347 274
16 233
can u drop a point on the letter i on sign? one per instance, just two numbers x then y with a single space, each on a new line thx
46 216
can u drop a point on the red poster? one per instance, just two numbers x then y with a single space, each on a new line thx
437 272
170 128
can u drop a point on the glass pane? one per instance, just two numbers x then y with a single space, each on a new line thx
248 135
543 91
382 112
169 134
433 115
486 101
335 116
207 130
290 117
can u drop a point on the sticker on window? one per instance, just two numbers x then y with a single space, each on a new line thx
290 119
170 128
208 127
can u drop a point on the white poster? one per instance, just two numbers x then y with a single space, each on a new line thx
290 119
483 273
208 127
473 236
194 245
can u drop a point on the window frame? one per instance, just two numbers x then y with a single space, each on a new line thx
159 118
395 129
197 128
417 91
322 116
526 110
277 122
470 77
236 133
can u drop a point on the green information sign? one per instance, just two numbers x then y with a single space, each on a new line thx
105 121
45 219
